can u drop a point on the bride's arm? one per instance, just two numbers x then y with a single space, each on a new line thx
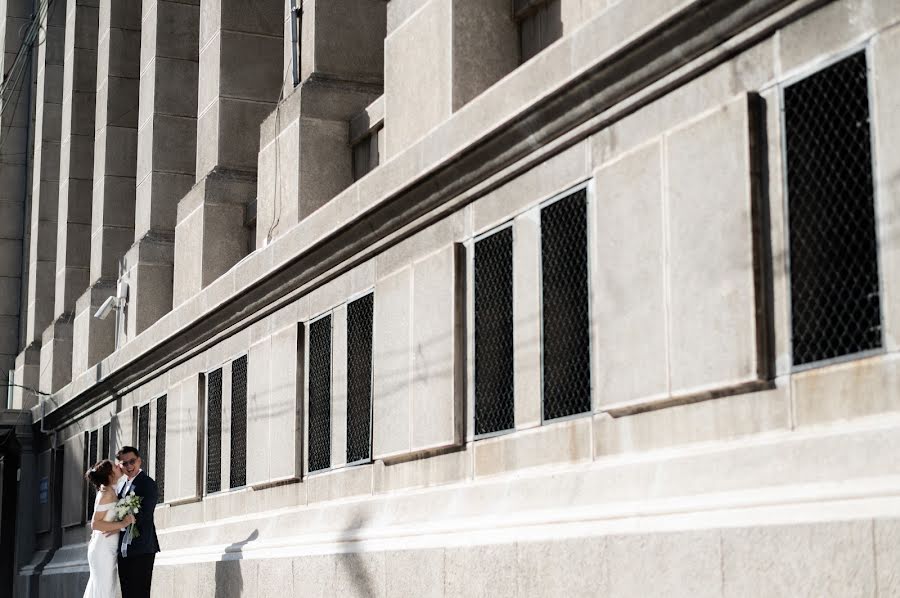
99 525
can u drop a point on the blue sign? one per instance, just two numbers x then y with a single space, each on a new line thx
43 491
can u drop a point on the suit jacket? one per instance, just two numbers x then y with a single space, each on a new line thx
147 543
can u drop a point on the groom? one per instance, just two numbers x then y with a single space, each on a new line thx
136 561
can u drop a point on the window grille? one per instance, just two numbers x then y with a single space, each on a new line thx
238 468
494 392
564 308
540 24
161 447
835 302
214 431
359 378
144 435
105 435
365 154
319 438
92 460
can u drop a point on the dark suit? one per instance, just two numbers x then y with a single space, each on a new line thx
136 569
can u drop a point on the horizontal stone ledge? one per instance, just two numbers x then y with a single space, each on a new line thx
616 76
643 405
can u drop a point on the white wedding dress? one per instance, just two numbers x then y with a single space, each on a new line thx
102 557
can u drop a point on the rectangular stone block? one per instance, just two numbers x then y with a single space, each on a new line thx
887 555
276 578
885 126
629 311
818 559
434 470
56 355
360 574
73 508
713 303
557 443
489 570
414 573
717 420
846 390
314 576
479 60
437 391
670 564
392 359
94 339
418 76
182 408
339 484
570 567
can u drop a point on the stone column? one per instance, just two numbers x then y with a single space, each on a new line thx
167 137
15 149
115 160
234 96
305 153
44 191
76 165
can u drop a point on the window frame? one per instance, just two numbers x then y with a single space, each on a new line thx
470 315
230 362
588 188
804 72
351 299
204 442
329 313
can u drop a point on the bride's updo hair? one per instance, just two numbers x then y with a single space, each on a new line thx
99 473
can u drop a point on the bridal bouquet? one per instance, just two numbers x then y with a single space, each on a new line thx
128 505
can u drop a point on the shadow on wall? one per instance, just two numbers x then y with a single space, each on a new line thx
354 565
229 580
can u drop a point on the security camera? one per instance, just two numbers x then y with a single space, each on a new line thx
107 307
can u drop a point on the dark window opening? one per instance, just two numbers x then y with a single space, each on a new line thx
161 448
835 299
105 441
214 431
359 378
238 470
494 389
365 154
565 308
540 24
319 390
144 435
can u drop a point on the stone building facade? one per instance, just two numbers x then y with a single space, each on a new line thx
456 297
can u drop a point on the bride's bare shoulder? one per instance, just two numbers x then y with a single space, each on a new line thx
107 496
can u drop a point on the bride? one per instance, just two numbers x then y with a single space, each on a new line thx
103 548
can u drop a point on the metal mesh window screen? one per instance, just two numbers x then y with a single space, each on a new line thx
104 453
144 435
564 308
494 393
238 422
359 378
214 431
319 448
833 246
92 459
161 447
